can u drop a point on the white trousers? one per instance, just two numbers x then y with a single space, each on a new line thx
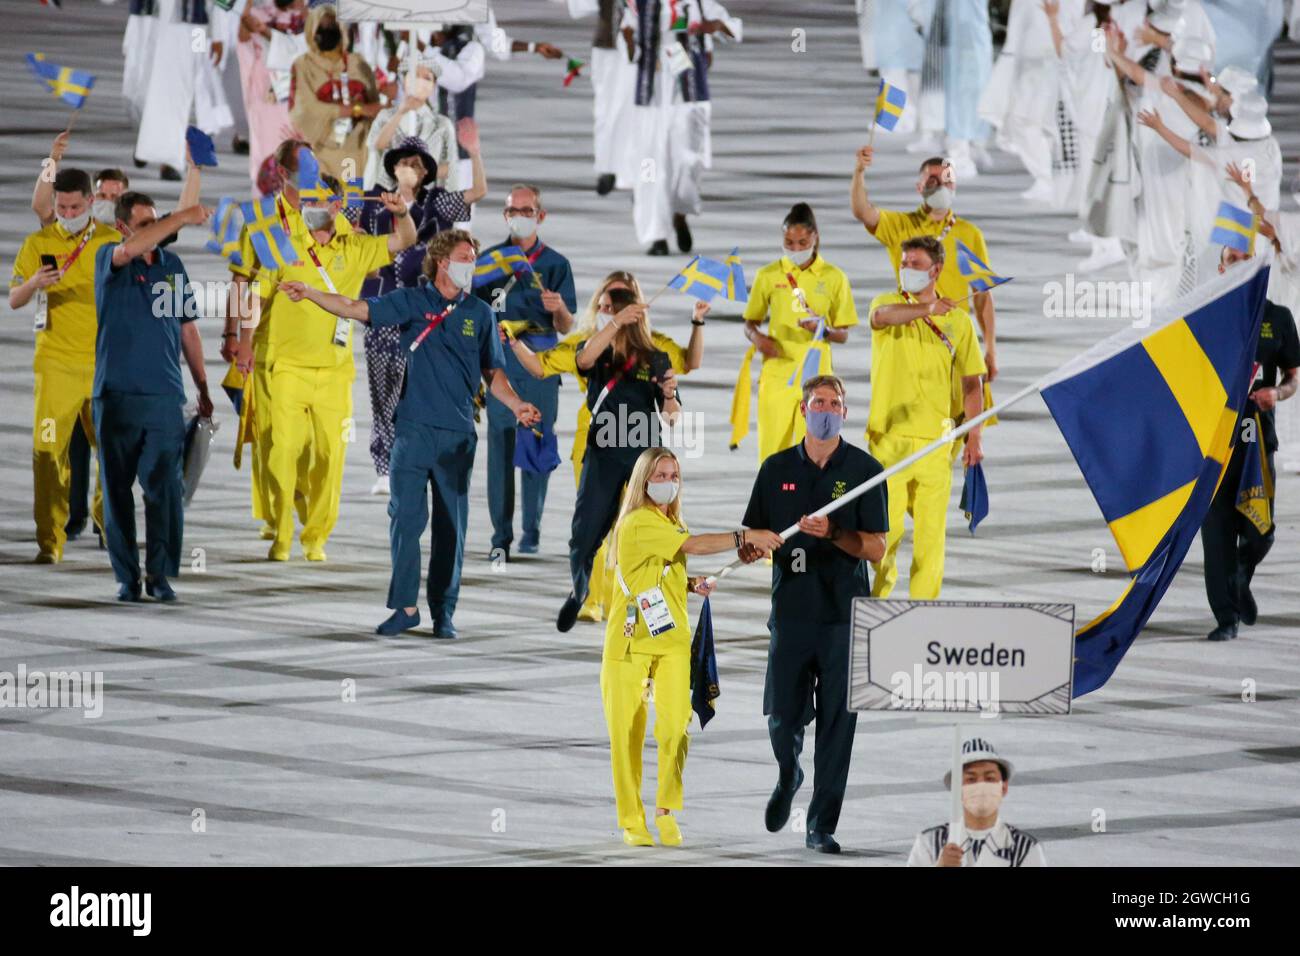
673 153
613 84
137 56
181 79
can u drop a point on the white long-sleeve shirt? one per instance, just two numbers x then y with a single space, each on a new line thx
1000 845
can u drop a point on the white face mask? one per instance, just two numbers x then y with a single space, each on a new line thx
603 319
661 492
317 217
105 210
799 256
461 274
940 198
981 799
913 280
76 224
521 227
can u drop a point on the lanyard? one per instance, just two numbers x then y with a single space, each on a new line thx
329 283
341 92
613 381
952 349
434 322
77 251
949 220
279 207
618 574
797 292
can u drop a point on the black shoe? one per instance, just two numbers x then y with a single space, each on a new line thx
660 248
564 621
444 629
128 592
1249 611
99 536
1224 632
239 146
73 529
778 805
604 184
160 590
684 241
821 842
168 173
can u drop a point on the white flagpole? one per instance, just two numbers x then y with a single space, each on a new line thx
956 818
894 469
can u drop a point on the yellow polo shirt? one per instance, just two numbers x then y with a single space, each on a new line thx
69 333
302 333
649 542
913 374
895 227
563 357
826 289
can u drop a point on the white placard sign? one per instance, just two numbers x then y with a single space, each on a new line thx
961 657
420 11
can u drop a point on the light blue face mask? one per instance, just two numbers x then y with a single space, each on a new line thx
824 425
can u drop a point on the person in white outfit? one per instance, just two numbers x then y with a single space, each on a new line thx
673 54
985 838
899 44
613 86
957 67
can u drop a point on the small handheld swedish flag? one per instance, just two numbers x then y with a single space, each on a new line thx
889 105
1234 228
736 289
226 222
500 263
271 243
976 272
71 86
354 192
702 278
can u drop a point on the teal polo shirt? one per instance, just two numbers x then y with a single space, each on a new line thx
443 372
140 309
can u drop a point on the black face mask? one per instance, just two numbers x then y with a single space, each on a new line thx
328 38
283 4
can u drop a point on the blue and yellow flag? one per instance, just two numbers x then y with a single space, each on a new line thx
1234 228
354 193
704 668
889 105
974 497
1255 489
226 223
1151 417
500 263
310 185
71 86
980 277
704 279
271 243
736 289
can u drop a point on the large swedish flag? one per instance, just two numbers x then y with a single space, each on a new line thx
1151 417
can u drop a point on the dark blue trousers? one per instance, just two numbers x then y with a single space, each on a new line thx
502 425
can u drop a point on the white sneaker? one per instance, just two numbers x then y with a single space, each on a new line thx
959 153
929 143
380 487
1105 252
1082 236
1040 191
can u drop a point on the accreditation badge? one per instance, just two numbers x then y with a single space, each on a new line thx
341 331
42 311
342 126
655 611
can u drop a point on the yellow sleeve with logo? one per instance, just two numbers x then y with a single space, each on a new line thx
374 252
969 360
843 310
645 535
756 308
561 357
889 230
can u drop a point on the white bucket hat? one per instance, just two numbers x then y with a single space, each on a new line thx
977 750
1237 81
1192 53
1167 15
1250 116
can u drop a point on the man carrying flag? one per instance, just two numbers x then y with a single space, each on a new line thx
311 365
920 344
246 334
55 270
534 306
1238 529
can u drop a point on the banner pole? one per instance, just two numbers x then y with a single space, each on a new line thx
894 469
956 818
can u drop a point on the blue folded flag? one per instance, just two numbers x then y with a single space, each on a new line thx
536 450
704 667
202 150
975 496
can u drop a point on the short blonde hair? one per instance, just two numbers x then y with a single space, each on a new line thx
441 247
822 381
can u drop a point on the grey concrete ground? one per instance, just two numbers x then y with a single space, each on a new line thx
492 750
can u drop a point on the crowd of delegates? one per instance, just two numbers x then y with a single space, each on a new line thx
442 349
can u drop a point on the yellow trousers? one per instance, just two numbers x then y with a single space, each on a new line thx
263 438
62 395
311 410
780 426
921 491
628 687
593 608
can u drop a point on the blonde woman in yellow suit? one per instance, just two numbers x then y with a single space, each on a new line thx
639 667
563 358
820 293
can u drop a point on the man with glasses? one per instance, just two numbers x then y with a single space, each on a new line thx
536 306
